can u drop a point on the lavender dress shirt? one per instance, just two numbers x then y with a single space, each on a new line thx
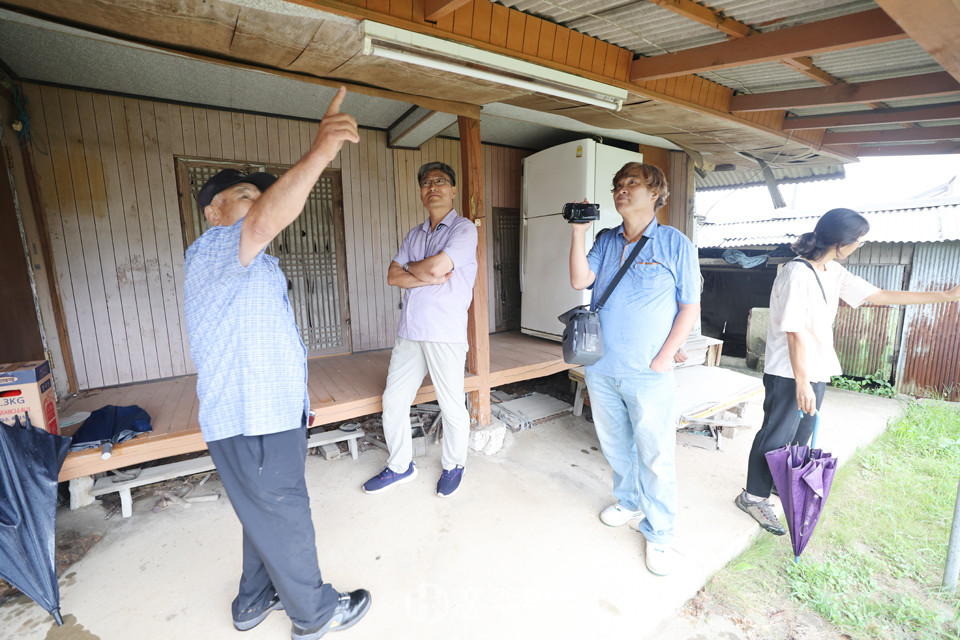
438 313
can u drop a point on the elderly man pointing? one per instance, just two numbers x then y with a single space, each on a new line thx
252 385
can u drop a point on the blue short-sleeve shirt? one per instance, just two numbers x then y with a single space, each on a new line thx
251 363
639 314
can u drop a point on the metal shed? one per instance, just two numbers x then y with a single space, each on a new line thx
911 246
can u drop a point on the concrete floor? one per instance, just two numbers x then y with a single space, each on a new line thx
518 553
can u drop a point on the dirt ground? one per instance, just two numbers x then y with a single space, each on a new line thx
706 617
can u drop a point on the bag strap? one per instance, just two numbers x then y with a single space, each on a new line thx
815 275
623 270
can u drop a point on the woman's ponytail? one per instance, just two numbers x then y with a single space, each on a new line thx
836 228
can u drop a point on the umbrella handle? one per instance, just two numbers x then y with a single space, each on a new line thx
816 427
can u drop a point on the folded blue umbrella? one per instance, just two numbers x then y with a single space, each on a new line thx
30 461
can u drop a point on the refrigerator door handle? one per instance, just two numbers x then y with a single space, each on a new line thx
523 248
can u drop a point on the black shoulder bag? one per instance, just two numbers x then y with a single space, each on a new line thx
815 275
582 338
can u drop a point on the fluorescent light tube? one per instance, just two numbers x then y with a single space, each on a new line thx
446 55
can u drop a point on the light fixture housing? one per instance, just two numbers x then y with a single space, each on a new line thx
445 55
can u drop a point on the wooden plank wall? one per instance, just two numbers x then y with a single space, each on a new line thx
108 188
370 227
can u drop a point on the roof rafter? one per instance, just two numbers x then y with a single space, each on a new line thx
736 29
433 10
854 30
805 66
921 86
707 16
915 134
881 116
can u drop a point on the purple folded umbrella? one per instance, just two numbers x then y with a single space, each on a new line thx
803 477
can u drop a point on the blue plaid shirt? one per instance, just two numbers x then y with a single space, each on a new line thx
251 363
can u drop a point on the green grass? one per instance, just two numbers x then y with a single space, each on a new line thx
874 566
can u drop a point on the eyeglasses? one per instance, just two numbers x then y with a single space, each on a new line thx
630 182
426 183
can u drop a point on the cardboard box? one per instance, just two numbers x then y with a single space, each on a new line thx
26 388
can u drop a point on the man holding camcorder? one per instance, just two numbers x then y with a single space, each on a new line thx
644 322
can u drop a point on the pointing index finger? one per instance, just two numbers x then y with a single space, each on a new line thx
334 107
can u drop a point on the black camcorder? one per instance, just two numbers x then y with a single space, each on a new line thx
581 212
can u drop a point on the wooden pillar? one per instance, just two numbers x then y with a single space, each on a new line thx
682 189
660 158
478 328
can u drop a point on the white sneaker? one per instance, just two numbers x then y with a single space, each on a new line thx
617 516
660 558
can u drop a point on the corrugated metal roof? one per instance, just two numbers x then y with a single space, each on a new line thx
769 76
844 108
642 27
650 30
769 15
716 180
878 62
934 220
862 64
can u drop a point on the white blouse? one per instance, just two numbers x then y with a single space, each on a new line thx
798 306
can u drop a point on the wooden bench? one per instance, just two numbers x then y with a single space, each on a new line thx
81 494
709 399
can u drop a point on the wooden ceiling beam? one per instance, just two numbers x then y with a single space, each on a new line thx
933 24
922 86
707 16
855 30
935 148
914 134
881 116
433 10
805 66
736 29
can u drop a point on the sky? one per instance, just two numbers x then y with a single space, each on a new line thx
870 182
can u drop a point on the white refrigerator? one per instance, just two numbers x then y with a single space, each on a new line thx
568 172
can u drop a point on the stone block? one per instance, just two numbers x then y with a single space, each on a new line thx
488 440
81 492
329 451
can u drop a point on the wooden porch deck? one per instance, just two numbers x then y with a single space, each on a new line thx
341 387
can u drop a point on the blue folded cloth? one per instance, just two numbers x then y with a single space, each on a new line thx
735 256
111 424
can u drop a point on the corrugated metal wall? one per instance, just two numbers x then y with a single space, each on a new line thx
930 348
866 338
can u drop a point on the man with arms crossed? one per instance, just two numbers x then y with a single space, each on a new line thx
252 385
436 266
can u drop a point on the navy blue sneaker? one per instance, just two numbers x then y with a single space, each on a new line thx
387 478
449 482
248 618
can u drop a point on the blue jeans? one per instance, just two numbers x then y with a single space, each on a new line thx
635 422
